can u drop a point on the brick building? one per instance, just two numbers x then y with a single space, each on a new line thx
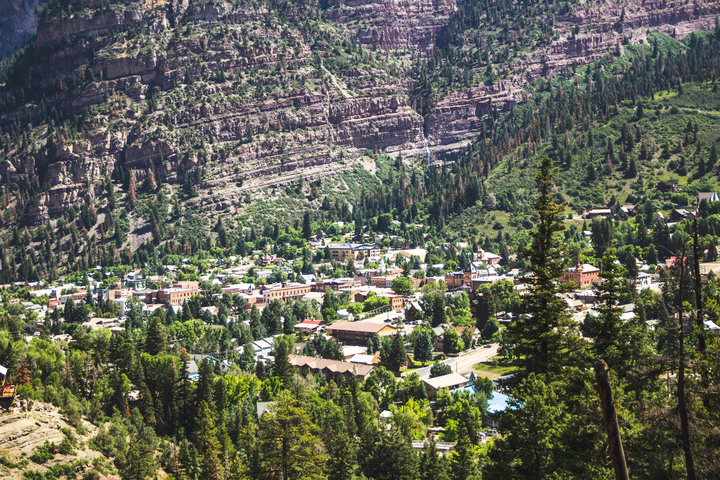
583 273
285 291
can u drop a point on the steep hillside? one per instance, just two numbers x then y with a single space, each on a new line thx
18 23
39 439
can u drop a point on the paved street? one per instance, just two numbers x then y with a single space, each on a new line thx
463 363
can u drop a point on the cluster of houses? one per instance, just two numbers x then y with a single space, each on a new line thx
676 215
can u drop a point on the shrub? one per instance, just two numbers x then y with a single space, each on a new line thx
44 452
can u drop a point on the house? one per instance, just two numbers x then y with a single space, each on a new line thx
412 311
583 274
497 405
450 381
629 209
681 214
335 284
213 310
667 187
96 323
455 280
308 326
414 252
262 407
239 288
134 281
332 369
358 333
439 342
643 280
171 296
712 327
263 348
193 371
349 351
708 197
366 359
598 212
489 258
382 282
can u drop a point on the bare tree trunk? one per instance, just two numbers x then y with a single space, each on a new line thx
682 403
699 310
610 420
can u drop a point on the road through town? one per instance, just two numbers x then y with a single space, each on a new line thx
463 363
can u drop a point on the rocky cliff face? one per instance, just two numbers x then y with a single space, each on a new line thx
221 96
18 23
236 97
392 24
601 30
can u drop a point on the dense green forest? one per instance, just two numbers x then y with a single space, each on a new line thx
665 385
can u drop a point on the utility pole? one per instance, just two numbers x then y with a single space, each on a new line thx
607 402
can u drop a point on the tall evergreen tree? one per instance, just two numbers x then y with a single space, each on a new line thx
423 350
156 339
463 464
540 337
607 329
208 444
397 356
282 368
307 226
432 465
139 463
289 443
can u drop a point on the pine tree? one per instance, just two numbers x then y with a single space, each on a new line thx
222 233
432 465
307 226
289 446
341 456
607 328
139 462
463 464
207 442
282 368
247 359
423 348
397 356
539 336
206 378
388 456
632 168
156 339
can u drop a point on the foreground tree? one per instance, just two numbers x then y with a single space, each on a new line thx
540 337
289 444
208 444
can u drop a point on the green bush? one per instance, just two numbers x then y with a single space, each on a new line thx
5 461
44 452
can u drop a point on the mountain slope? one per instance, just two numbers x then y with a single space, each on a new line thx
123 120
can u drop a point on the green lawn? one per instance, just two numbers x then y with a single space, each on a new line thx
497 366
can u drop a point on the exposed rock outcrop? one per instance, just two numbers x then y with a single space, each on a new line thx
246 98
